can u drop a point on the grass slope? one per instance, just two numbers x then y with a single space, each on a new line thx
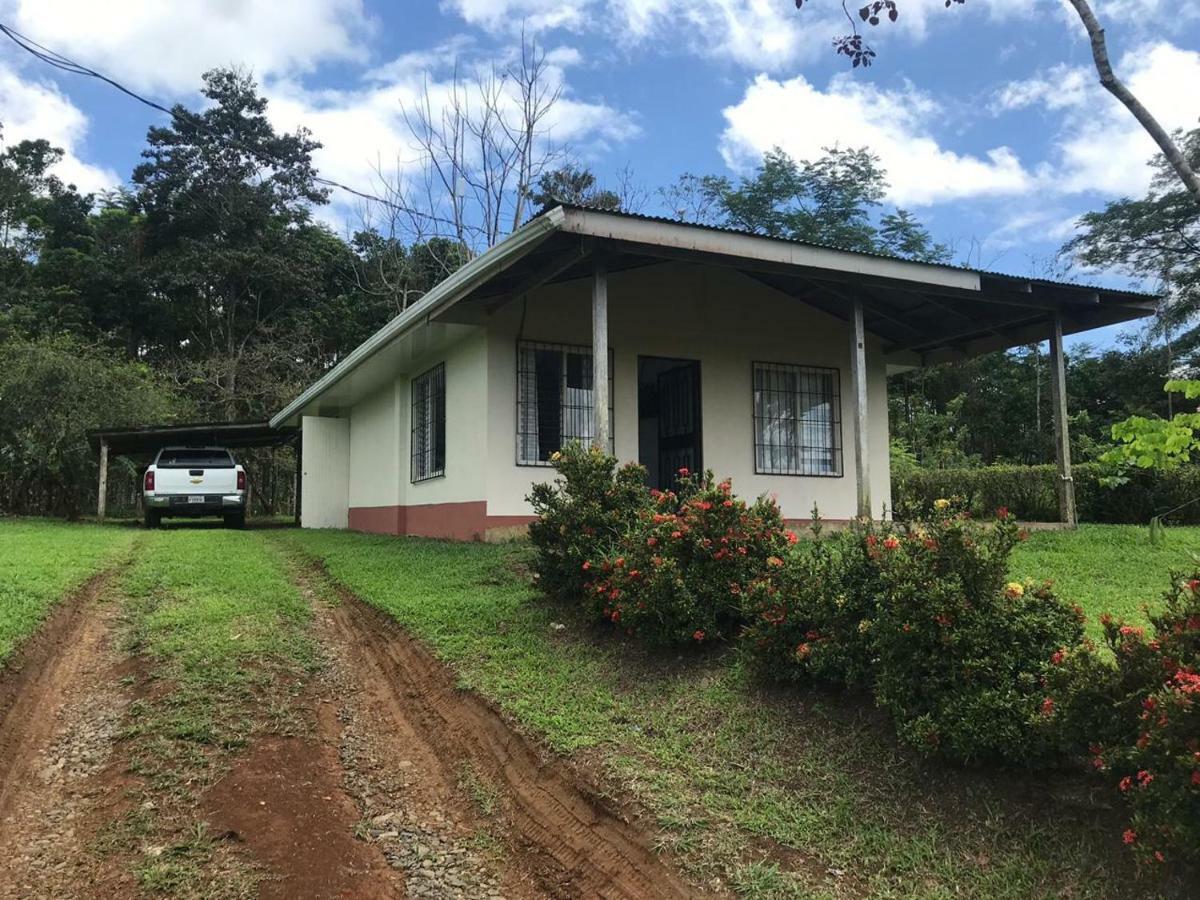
40 561
780 793
1107 568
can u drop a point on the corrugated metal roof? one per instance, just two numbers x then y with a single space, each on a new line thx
823 246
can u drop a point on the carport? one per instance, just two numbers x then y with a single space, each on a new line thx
140 444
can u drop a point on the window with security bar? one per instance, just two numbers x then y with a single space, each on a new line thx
429 424
555 400
797 420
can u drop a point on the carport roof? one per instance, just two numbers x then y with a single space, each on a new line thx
149 439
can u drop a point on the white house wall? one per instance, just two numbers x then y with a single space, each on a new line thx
725 320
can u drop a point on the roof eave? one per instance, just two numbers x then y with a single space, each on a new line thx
445 294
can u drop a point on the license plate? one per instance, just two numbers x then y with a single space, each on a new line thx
193 498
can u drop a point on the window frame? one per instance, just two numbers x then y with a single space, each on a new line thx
837 446
564 349
438 424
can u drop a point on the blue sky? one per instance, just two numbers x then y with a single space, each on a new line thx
987 115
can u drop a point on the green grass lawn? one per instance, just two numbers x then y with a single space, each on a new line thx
783 793
1107 568
40 561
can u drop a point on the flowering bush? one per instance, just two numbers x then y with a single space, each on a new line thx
961 653
582 513
1140 713
812 617
679 572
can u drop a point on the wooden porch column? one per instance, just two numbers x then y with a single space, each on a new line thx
1062 438
858 385
600 355
102 492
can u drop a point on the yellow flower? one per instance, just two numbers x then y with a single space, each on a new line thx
555 456
1014 589
941 503
864 626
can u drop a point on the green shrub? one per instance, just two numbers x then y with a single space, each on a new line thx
810 618
679 573
580 515
1139 709
923 614
1030 492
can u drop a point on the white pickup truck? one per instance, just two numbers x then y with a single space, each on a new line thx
194 481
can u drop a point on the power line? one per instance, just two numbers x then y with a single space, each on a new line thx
179 114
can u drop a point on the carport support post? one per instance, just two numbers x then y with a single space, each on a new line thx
600 354
102 492
1062 438
858 383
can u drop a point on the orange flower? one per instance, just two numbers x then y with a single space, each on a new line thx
891 542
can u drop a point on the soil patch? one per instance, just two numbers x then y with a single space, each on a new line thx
61 706
559 832
283 800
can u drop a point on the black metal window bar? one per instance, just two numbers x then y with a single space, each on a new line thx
797 420
428 442
554 400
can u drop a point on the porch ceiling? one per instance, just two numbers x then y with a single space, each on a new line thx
921 323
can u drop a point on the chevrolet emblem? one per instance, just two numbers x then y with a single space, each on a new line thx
197 480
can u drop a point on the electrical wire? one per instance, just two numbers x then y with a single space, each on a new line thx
58 61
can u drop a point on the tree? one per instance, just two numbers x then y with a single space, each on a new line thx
52 390
570 184
902 235
229 244
831 200
1155 238
859 53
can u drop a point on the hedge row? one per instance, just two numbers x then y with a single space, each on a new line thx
1029 492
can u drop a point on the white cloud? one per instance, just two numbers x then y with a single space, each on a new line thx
1099 146
32 110
366 137
764 35
165 46
896 124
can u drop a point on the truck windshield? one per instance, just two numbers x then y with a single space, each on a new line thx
195 459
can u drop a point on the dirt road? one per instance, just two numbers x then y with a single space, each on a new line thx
386 780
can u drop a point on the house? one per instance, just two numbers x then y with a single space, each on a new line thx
676 345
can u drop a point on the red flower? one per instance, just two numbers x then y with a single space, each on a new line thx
698 634
727 504
1196 778
891 542
684 473
791 537
1125 784
1048 706
1194 585
1057 657
1144 778
1002 513
774 561
1158 855
1129 836
677 534
650 542
872 540
803 651
586 565
619 562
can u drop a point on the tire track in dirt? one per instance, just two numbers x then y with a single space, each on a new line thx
570 841
60 709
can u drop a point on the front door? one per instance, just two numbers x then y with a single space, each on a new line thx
669 418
